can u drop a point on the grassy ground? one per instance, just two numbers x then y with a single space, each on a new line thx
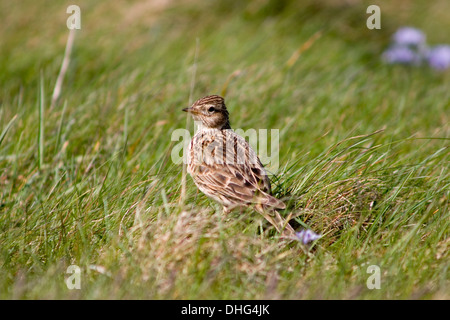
91 181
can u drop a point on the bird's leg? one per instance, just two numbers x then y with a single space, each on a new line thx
226 210
274 217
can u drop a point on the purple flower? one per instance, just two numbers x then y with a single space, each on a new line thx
306 236
400 54
408 36
439 57
409 47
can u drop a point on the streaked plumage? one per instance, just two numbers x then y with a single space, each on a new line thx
225 167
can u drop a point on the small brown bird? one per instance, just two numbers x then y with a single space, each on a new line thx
225 168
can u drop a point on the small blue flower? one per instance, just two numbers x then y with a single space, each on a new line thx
409 47
306 236
439 57
400 54
408 36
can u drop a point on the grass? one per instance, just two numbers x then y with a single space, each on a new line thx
363 151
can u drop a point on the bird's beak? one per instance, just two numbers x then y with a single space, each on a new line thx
190 110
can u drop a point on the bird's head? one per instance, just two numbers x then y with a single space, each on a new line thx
211 111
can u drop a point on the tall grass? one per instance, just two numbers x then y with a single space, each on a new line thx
363 152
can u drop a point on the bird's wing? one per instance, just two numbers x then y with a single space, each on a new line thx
229 168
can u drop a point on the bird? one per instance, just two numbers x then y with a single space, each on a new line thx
225 167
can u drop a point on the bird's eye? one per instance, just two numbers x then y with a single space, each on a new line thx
211 109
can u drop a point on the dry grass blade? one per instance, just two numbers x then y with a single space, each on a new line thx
191 92
305 46
63 70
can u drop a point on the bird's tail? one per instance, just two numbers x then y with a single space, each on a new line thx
274 217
